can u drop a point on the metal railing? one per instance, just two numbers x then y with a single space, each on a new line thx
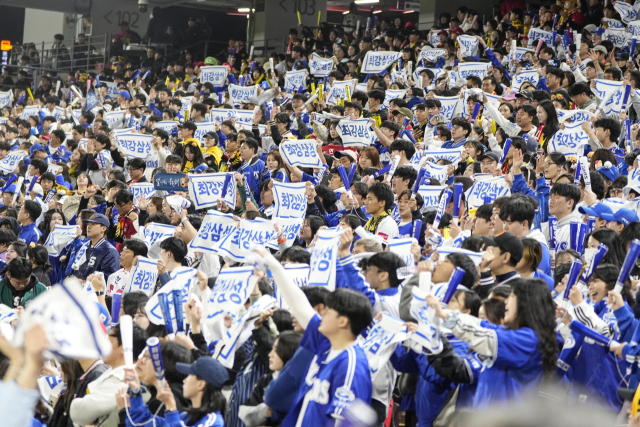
60 58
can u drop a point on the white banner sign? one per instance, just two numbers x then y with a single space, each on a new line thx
112 89
521 51
290 228
6 99
31 110
381 341
319 66
300 153
468 45
627 12
145 189
569 140
525 76
237 245
166 126
448 106
468 69
206 189
203 128
634 29
338 90
610 94
143 276
113 118
451 154
231 290
390 94
134 145
431 194
431 55
538 34
240 93
221 114
217 75
295 80
617 36
289 199
157 233
323 259
298 273
10 162
376 62
355 133
494 187
216 226
613 23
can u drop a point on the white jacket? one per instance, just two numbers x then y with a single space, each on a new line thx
100 401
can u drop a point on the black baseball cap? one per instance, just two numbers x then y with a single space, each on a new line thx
489 155
526 94
508 242
189 125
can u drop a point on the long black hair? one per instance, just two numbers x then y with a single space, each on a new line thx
536 311
615 255
45 227
551 126
212 401
608 273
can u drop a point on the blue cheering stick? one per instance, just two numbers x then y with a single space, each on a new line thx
456 278
581 235
576 178
457 198
153 346
381 171
411 138
352 171
601 251
394 165
146 74
574 273
627 125
233 53
405 123
116 302
552 235
166 313
345 180
573 227
591 224
135 75
241 78
399 63
590 333
253 67
442 206
321 173
535 18
476 111
625 98
220 98
177 305
629 262
366 79
505 150
419 179
554 36
225 186
20 100
13 178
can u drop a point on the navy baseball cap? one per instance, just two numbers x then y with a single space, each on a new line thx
623 216
98 219
35 148
207 368
596 210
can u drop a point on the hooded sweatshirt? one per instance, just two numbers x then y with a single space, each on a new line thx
13 298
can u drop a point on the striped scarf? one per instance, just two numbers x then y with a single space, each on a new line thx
372 225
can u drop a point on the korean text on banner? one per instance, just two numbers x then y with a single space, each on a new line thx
206 189
134 145
300 153
217 75
289 199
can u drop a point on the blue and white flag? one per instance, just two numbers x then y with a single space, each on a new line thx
50 387
298 273
338 90
449 104
246 126
240 331
437 72
402 248
538 34
71 321
570 140
216 74
91 101
494 187
319 66
376 62
428 334
31 110
232 288
468 69
323 259
6 98
113 118
134 145
574 116
433 38
104 159
167 125
525 76
295 80
202 129
216 226
183 279
613 23
617 36
431 194
451 154
355 133
381 341
610 94
289 199
143 276
8 314
59 238
627 12
521 51
361 87
11 160
206 189
431 55
145 189
301 153
468 46
290 228
241 93
390 94
221 114
238 245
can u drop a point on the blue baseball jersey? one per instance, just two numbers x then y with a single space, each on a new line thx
330 384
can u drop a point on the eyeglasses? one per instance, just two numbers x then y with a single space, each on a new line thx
616 191
455 127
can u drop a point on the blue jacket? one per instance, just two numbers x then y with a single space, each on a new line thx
29 234
139 414
102 257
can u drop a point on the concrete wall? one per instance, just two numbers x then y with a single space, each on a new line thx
42 25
